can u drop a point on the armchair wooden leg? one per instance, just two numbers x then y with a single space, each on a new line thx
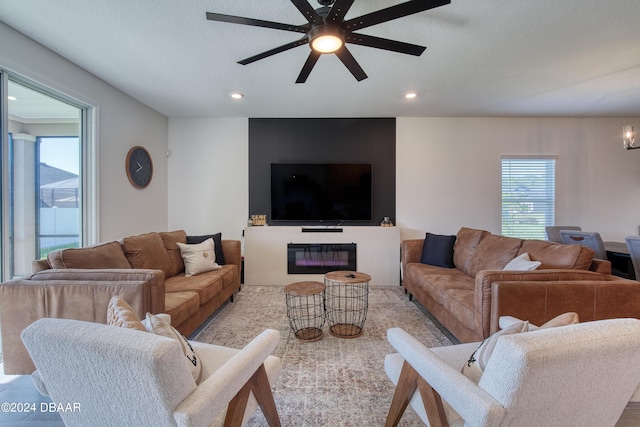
408 382
262 391
432 404
259 384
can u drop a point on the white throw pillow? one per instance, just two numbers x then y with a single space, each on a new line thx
198 258
522 263
476 364
474 367
157 325
564 319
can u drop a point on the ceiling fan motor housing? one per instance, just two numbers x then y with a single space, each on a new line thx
325 30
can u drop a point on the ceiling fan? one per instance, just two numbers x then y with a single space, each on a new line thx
327 31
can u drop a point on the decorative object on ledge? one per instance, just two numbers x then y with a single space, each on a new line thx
258 219
386 222
629 138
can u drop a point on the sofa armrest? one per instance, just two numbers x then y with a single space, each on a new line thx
483 291
540 301
154 278
40 264
232 253
600 266
22 302
410 251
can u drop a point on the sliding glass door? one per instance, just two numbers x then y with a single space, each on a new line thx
43 180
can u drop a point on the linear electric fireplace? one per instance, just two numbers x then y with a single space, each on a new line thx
320 258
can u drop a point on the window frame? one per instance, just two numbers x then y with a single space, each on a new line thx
548 213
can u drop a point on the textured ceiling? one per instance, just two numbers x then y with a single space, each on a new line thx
483 57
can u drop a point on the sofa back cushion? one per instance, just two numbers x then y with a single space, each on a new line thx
467 241
106 255
170 241
147 251
558 255
493 253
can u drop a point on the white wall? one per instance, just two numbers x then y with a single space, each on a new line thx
208 176
448 172
122 123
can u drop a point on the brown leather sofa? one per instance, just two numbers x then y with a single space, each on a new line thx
146 270
469 298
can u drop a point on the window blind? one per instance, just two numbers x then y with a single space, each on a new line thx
528 196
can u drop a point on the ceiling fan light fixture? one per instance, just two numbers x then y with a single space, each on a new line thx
326 38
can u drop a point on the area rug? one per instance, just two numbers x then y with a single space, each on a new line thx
333 381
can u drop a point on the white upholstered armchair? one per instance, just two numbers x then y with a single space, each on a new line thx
118 376
578 375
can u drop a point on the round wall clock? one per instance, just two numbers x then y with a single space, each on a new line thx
139 167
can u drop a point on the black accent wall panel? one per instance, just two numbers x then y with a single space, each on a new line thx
323 140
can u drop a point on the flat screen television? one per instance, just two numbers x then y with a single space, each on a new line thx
317 192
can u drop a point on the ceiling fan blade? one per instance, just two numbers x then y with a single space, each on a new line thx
393 12
308 66
339 10
350 62
255 22
386 44
309 12
275 50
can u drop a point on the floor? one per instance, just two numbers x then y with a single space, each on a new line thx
19 390
21 405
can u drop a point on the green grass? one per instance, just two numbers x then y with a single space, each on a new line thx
45 251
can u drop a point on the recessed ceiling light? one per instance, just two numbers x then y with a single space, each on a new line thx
410 95
237 95
11 98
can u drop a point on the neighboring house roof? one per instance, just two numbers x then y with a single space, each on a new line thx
66 183
49 174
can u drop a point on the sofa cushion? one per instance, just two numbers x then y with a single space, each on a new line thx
105 255
435 281
438 250
557 255
181 306
147 251
467 240
170 240
198 258
206 285
217 242
493 253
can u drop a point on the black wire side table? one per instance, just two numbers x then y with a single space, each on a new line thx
347 302
305 309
